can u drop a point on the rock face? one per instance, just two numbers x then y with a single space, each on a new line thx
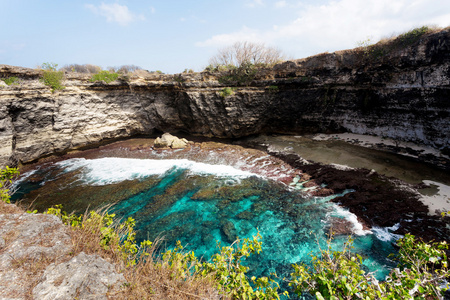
34 243
26 241
87 275
398 92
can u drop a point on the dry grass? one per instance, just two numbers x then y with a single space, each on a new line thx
150 278
6 208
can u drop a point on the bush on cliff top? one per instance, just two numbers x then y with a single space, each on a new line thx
105 76
51 77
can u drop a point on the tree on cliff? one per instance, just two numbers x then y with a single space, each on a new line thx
243 53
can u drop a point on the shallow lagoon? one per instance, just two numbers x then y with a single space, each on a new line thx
202 205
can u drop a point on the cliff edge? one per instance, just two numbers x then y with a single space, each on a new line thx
400 89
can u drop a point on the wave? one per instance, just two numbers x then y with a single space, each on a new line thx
111 170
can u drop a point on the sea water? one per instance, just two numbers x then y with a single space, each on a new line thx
204 206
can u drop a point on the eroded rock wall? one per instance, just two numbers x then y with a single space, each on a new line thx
403 94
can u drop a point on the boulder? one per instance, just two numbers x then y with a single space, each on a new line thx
83 277
169 141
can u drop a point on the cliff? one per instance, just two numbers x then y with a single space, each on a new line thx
400 89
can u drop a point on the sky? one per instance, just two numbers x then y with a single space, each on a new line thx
174 35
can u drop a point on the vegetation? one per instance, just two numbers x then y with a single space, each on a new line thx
6 178
105 76
244 53
384 47
225 92
273 88
11 80
52 77
240 63
224 272
421 271
86 68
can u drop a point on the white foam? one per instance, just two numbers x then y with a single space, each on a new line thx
341 167
358 228
384 233
112 169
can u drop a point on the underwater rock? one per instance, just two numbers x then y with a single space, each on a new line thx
229 231
339 226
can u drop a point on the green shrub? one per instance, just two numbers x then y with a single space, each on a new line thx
242 75
413 35
225 92
6 178
11 80
51 77
273 88
225 267
179 78
105 76
421 270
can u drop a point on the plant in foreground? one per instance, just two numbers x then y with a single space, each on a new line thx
420 273
225 268
6 179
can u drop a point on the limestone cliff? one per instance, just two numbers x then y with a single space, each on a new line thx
399 92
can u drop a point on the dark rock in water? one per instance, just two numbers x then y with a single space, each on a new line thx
376 200
229 231
246 215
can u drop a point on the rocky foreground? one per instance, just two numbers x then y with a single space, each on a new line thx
37 261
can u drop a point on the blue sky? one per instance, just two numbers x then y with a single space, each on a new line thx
173 35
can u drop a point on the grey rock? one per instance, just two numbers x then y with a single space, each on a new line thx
83 277
29 240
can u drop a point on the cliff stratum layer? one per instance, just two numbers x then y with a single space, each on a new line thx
402 92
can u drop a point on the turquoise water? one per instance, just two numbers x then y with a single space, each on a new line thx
201 205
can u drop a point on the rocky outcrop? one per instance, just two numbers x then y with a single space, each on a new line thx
169 141
36 263
400 92
83 277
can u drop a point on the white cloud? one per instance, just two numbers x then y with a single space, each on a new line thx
280 4
254 3
340 24
245 34
115 13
